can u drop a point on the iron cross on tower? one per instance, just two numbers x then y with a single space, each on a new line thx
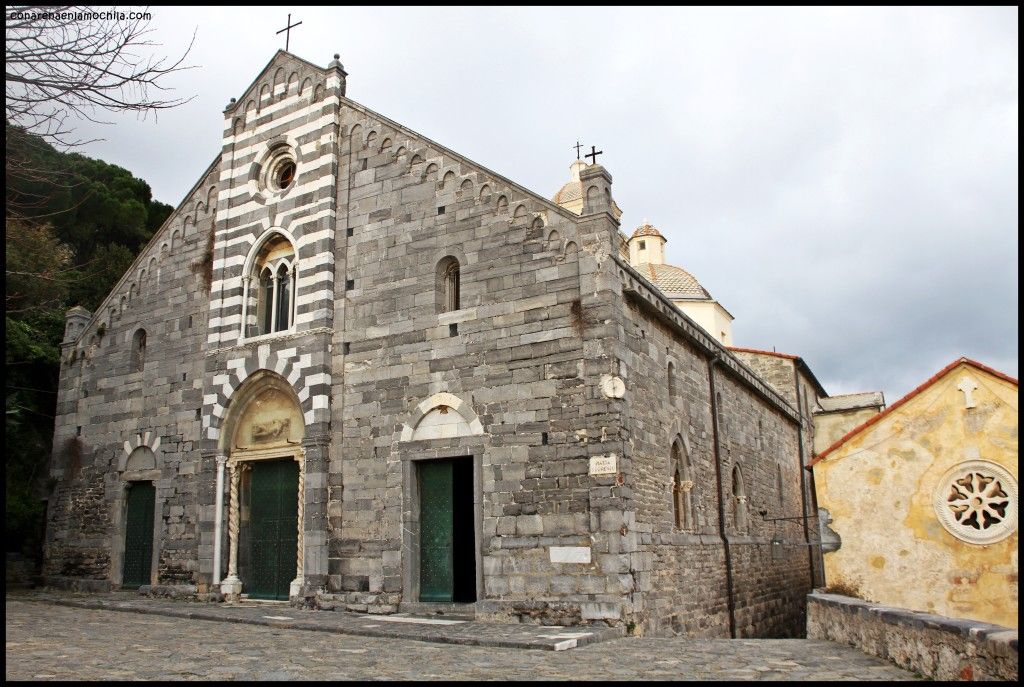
287 31
594 152
577 147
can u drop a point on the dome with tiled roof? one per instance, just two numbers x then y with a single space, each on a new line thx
674 282
647 256
646 229
570 196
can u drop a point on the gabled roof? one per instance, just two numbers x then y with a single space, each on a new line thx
797 360
915 392
854 401
279 56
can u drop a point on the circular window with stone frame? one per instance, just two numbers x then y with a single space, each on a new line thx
278 170
976 501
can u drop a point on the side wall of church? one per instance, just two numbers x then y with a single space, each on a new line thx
771 582
793 384
684 587
684 576
107 406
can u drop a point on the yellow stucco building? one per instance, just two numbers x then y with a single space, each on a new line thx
924 498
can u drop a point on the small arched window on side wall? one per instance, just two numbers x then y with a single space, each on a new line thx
447 285
739 499
682 487
138 359
671 381
779 483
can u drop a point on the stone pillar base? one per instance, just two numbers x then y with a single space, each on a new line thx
231 588
295 589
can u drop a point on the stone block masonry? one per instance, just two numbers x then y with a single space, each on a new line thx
937 647
542 374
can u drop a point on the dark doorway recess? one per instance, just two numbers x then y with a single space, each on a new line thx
273 528
138 534
447 532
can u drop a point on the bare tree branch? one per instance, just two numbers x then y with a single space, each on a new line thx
75 62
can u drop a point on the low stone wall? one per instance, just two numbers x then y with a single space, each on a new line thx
935 646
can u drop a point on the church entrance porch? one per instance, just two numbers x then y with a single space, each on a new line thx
272 531
447 537
140 501
265 461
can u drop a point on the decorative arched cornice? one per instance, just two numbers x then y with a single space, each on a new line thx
311 391
257 245
141 440
679 433
437 400
452 251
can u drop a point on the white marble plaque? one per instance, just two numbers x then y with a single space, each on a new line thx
570 554
604 465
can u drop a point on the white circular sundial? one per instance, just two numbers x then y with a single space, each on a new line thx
612 386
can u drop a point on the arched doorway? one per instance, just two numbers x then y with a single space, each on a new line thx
262 440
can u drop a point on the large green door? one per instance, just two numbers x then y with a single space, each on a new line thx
436 531
138 534
273 527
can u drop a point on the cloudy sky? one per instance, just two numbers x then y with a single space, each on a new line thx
844 181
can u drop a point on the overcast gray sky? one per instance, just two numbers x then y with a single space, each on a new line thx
844 181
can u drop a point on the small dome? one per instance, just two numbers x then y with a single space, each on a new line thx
646 229
674 282
568 193
570 196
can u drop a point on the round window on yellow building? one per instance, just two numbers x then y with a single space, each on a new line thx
976 501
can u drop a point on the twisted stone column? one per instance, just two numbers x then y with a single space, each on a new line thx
295 588
232 586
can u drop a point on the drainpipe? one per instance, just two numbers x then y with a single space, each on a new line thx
803 482
730 594
218 518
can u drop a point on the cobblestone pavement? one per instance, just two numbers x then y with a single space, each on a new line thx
428 628
46 641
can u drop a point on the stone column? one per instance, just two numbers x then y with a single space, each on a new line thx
313 492
218 518
232 586
295 588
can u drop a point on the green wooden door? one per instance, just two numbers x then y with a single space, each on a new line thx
436 531
273 523
138 534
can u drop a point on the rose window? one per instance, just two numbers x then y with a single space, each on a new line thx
977 502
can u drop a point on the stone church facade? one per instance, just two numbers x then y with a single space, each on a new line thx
357 370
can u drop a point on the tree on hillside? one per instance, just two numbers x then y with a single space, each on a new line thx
73 224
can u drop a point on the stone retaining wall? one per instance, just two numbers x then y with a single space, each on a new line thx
935 646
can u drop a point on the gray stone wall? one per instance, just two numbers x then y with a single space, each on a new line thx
791 382
686 589
106 407
512 353
936 647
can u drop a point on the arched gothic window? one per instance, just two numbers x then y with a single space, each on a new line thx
682 488
779 484
448 285
739 498
269 299
138 350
